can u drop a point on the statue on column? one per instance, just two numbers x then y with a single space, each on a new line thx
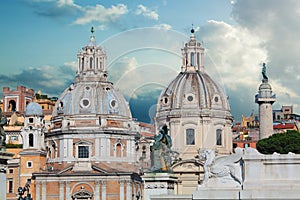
3 121
264 73
161 151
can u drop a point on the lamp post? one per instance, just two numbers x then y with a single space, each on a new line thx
21 192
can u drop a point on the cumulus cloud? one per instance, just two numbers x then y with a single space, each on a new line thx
146 12
276 23
52 8
49 79
101 14
233 58
163 26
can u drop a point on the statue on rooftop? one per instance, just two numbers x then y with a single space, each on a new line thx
221 170
264 73
3 121
161 151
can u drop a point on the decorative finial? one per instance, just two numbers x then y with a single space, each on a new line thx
192 30
92 30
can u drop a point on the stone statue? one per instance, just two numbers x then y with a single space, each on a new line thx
161 151
264 73
222 170
3 121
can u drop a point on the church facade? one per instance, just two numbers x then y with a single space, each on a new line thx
197 113
93 149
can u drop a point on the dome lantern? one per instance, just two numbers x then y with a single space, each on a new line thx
91 61
192 55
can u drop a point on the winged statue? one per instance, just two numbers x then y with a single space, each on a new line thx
224 168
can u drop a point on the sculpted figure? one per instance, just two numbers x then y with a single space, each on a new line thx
264 72
160 151
3 121
223 168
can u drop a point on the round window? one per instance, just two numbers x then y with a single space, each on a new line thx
87 87
190 98
85 103
113 103
166 100
216 99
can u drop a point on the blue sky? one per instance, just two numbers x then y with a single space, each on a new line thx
40 40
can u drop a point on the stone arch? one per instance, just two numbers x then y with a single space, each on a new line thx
118 149
12 105
76 190
82 194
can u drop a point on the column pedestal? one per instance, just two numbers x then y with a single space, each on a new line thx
156 184
4 156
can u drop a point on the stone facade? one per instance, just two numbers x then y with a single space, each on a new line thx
265 99
197 113
16 100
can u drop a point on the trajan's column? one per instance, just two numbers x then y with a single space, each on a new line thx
265 99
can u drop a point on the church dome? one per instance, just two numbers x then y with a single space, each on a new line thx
193 90
195 108
91 93
33 108
91 98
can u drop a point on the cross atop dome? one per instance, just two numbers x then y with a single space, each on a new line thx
92 41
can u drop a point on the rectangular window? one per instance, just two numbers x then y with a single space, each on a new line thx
190 137
219 136
29 164
30 120
10 186
83 151
13 138
11 171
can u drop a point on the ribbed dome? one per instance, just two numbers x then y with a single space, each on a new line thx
91 98
91 93
33 109
194 90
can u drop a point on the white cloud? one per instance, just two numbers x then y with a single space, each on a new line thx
236 53
163 26
276 24
62 3
101 14
146 12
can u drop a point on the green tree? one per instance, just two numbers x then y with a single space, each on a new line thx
282 143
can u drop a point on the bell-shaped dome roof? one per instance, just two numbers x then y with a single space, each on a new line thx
91 93
91 98
194 90
33 109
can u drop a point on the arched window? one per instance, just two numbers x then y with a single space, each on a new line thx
97 65
192 59
12 105
30 140
118 150
219 137
144 151
82 64
190 136
91 63
198 59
